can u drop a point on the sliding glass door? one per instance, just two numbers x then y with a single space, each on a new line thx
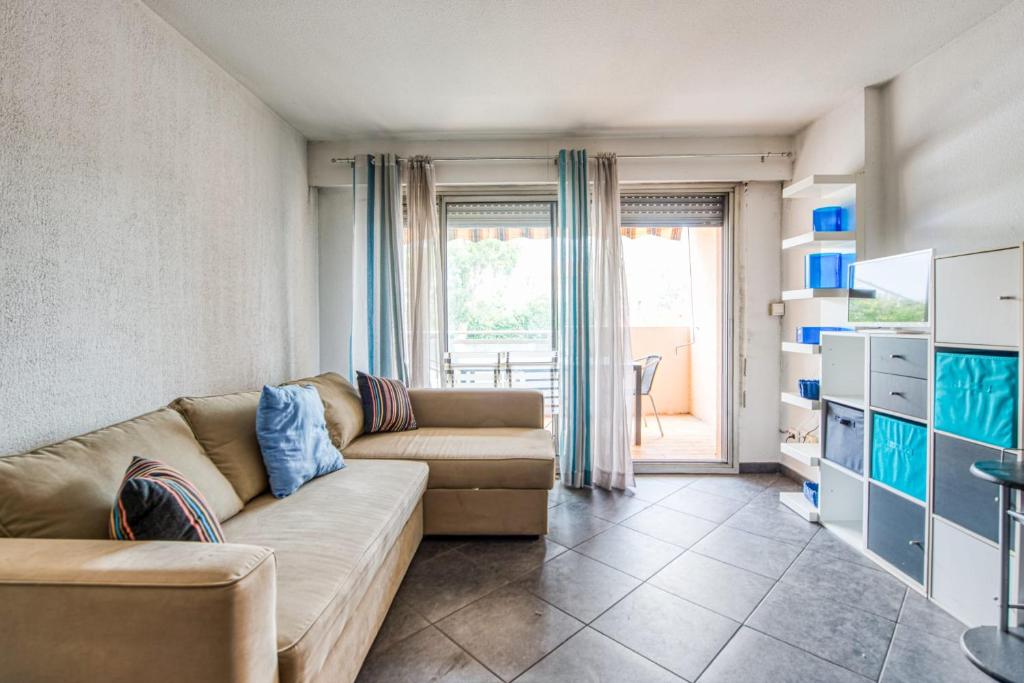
673 251
500 307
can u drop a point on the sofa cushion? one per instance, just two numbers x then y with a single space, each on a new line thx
66 490
156 503
386 405
225 426
460 458
293 438
329 538
342 407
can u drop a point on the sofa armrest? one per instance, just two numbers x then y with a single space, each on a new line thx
478 407
98 610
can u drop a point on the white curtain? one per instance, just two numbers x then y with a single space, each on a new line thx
423 269
611 368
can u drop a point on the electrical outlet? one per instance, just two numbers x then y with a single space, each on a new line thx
777 309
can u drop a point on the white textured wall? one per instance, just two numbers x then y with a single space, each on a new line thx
758 281
335 288
953 144
833 144
157 236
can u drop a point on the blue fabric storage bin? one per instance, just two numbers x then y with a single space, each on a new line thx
976 397
828 219
811 334
843 433
899 454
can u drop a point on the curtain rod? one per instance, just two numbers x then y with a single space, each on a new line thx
538 157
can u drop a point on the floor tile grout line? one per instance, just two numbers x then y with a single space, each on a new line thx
548 653
582 624
743 624
806 652
892 639
816 654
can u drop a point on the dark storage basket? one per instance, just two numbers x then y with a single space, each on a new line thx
844 436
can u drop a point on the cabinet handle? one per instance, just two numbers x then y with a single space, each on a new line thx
895 356
896 393
1007 297
917 543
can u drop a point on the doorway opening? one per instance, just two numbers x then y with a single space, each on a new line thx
674 247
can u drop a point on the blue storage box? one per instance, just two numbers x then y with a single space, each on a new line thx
809 388
899 454
828 270
811 492
845 274
811 334
976 396
828 219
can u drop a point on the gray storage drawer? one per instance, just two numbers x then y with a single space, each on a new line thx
900 356
906 395
844 436
896 531
959 496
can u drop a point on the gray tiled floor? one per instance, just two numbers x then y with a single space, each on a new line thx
689 578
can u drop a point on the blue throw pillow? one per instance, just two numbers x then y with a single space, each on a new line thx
293 438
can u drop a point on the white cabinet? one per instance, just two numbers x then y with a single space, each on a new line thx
978 298
965 574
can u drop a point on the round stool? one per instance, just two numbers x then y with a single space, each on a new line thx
999 651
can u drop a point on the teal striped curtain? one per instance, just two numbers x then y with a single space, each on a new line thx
377 338
572 251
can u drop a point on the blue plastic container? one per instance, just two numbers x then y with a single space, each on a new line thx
899 454
811 334
829 219
976 397
809 388
845 271
811 492
828 270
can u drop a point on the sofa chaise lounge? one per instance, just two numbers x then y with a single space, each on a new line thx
303 583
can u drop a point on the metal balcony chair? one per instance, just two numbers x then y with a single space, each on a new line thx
649 366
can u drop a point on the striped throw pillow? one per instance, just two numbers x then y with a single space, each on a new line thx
386 405
156 503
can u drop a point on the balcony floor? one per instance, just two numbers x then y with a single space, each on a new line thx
686 438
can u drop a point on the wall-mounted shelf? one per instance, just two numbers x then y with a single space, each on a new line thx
797 347
819 186
812 240
804 453
801 294
796 502
799 401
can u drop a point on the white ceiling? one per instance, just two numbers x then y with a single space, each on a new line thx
340 69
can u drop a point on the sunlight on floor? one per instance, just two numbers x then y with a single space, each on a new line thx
686 438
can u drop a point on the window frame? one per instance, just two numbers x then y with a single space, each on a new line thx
463 196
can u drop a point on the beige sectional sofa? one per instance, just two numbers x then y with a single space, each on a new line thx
302 585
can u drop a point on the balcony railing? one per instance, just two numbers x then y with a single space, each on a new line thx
508 363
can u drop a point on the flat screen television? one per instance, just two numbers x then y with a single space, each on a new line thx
891 291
